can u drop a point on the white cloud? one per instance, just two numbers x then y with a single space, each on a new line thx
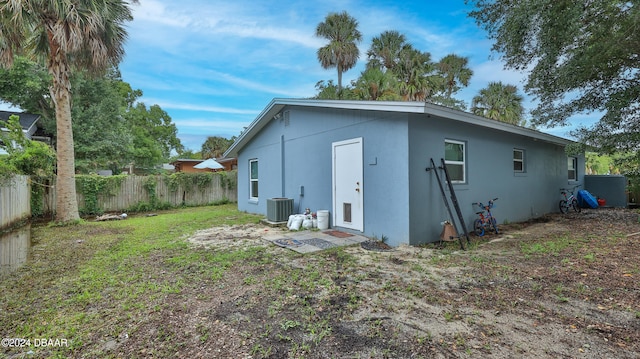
494 71
231 20
196 107
151 11
200 123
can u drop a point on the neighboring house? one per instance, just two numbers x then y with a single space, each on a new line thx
365 162
27 121
228 163
186 165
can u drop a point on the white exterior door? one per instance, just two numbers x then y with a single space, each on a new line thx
348 209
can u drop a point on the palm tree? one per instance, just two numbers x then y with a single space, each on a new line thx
215 146
342 51
456 73
385 49
373 84
66 34
415 74
499 102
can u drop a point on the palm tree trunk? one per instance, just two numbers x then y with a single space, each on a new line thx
66 201
339 82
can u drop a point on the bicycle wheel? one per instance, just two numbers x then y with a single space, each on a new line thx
563 206
494 224
478 227
576 207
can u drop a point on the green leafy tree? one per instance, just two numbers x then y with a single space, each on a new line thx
25 156
600 164
103 128
186 154
26 85
215 146
31 158
499 102
66 35
102 136
581 57
342 50
154 135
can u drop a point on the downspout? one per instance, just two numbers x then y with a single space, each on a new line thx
282 164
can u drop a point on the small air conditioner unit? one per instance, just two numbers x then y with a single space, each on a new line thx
279 209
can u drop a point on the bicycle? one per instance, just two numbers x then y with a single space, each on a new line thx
569 202
485 221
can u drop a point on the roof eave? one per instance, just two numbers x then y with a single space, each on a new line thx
276 105
466 117
255 126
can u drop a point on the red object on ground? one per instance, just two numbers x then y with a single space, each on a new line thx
601 202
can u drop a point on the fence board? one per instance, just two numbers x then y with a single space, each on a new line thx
132 191
15 200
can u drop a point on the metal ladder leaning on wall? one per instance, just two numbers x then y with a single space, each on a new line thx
454 201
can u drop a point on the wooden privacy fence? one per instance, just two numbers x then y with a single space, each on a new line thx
15 204
140 191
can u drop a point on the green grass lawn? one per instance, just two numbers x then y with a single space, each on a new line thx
87 280
138 288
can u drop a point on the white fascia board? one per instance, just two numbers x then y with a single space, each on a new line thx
277 104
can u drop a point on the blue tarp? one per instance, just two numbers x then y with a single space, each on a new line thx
586 199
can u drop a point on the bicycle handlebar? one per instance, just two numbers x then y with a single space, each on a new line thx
573 189
483 206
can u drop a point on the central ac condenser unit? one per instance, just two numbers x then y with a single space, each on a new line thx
279 209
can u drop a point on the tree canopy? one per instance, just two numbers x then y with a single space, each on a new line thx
32 158
499 102
65 35
397 71
110 128
581 58
215 146
342 50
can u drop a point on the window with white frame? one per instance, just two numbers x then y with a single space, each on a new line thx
454 159
253 179
518 160
572 164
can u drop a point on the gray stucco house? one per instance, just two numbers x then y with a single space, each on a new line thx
365 162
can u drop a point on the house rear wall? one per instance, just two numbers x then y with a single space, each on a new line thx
402 200
301 155
490 174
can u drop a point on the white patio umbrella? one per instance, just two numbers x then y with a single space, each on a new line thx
210 164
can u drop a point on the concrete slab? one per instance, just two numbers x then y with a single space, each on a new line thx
314 241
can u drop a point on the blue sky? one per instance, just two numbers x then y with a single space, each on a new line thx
214 65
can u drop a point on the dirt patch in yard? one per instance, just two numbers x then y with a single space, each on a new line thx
562 286
231 237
